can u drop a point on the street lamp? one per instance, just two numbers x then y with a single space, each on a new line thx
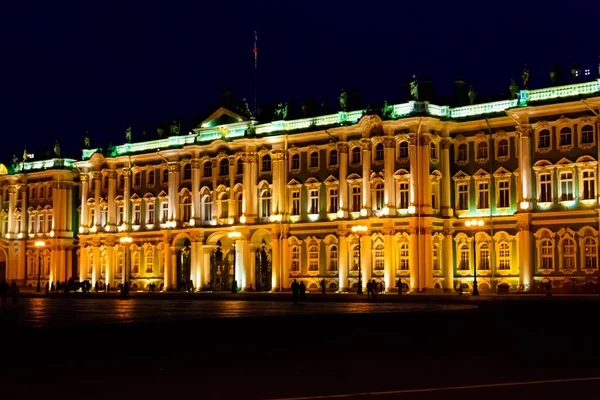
473 224
39 244
235 235
359 230
125 241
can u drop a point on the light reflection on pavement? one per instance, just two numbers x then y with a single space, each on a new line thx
50 312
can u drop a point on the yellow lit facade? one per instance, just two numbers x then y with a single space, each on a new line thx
162 211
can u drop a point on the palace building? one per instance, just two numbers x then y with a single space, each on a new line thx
346 197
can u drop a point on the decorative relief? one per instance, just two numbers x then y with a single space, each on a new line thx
111 174
84 178
445 143
388 142
343 147
196 163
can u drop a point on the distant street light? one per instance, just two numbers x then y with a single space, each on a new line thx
234 236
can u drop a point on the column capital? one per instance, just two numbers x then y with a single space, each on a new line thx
196 163
112 174
276 155
84 177
448 231
387 231
343 147
96 175
388 142
523 131
366 144
173 167
342 234
446 143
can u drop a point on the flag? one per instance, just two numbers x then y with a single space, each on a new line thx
255 49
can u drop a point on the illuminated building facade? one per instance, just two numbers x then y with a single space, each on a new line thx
162 211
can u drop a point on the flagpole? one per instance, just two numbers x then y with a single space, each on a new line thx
255 73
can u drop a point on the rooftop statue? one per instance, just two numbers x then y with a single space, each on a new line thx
472 95
57 149
284 112
514 89
128 135
245 108
160 132
414 88
525 76
86 142
15 160
343 98
174 128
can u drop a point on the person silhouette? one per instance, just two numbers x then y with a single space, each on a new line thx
295 291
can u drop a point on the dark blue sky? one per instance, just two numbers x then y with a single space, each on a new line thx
100 67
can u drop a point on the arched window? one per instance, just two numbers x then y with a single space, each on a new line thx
356 155
462 152
149 260
207 169
568 247
151 177
379 257
482 150
187 172
295 258
239 203
566 137
265 203
464 257
135 262
504 256
137 179
333 158
433 154
314 159
295 161
379 152
547 254
333 258
206 208
313 258
503 148
544 140
379 196
587 134
403 256
165 176
355 257
403 150
266 163
224 167
436 257
591 253
186 209
224 205
484 257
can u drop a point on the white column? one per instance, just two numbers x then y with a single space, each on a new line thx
112 207
96 267
343 189
196 214
24 225
248 187
525 267
276 260
285 249
97 176
389 270
206 265
447 259
199 280
173 191
253 190
85 185
389 163
365 259
248 261
366 175
343 261
69 217
427 255
525 163
425 182
12 205
194 261
414 169
168 260
110 266
413 256
83 262
276 198
231 211
446 189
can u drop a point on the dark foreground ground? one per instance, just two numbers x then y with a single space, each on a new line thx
517 349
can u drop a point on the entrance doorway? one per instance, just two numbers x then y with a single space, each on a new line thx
183 266
263 268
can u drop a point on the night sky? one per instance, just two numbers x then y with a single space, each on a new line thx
96 67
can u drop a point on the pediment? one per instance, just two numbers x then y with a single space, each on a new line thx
222 116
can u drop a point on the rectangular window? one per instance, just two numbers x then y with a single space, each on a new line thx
356 199
484 195
314 201
463 196
566 186
404 195
333 200
295 202
164 211
503 194
136 214
545 188
589 185
150 216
